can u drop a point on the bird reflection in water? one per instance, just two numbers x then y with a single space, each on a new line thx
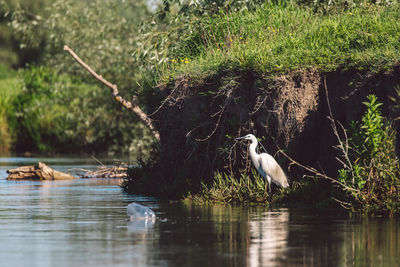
268 238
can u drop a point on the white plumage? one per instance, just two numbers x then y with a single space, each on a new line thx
265 164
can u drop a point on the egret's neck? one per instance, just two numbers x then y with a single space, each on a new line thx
252 149
253 145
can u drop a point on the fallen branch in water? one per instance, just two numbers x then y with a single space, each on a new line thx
130 105
117 171
40 171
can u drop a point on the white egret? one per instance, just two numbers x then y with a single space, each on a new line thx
265 164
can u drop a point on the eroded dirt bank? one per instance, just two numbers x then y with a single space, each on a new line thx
199 120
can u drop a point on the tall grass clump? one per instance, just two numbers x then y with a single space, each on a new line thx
277 38
370 176
225 188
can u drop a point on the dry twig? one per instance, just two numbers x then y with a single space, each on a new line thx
317 173
344 147
117 171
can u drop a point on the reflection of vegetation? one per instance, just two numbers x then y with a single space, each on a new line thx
371 243
241 235
250 233
222 228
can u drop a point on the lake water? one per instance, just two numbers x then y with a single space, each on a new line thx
84 223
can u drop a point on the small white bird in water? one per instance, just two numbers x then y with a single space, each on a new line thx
265 164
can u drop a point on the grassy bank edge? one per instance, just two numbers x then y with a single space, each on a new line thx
277 39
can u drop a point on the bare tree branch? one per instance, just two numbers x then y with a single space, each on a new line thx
130 105
344 147
317 173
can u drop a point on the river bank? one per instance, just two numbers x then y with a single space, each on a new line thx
276 70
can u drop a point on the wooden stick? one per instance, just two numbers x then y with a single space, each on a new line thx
130 105
317 173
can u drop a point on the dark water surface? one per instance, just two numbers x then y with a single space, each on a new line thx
84 223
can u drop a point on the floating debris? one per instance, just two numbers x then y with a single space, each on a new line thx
140 212
117 171
39 171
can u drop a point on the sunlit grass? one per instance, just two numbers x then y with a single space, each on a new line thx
252 188
277 39
225 188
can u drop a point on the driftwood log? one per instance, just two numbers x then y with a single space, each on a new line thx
39 171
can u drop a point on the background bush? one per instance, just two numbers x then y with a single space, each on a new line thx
60 108
53 113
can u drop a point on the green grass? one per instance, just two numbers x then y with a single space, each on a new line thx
253 189
227 189
280 38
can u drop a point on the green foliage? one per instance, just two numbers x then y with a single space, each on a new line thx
253 188
7 55
328 6
104 31
54 113
60 114
167 33
395 101
371 179
277 38
373 125
11 53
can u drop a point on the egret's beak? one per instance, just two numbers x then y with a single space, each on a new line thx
240 138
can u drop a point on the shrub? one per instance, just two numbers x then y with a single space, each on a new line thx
54 113
371 173
105 31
